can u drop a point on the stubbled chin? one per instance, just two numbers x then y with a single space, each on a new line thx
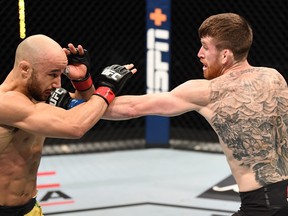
206 75
45 97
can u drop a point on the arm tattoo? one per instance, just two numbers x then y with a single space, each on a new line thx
251 117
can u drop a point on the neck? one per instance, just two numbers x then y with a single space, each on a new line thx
237 66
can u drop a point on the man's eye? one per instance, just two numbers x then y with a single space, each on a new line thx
53 75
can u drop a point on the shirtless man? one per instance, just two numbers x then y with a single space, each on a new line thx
239 101
25 118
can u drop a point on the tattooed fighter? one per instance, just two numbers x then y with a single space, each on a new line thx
246 106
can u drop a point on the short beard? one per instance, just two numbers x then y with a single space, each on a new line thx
214 72
34 88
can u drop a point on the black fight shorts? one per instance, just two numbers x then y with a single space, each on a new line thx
270 200
17 210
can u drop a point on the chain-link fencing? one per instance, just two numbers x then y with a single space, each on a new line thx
114 32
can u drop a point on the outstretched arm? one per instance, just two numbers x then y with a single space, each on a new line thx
189 96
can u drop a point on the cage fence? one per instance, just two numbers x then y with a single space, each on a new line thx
114 32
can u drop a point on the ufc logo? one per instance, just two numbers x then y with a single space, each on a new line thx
111 73
55 96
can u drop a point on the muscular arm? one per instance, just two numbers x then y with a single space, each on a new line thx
49 121
189 96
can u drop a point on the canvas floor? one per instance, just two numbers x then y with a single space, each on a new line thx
148 182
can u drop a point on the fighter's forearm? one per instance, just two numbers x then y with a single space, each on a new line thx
122 108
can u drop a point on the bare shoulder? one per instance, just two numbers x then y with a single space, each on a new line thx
268 69
262 76
13 97
192 87
195 84
273 75
13 106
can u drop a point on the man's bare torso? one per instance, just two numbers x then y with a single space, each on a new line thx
250 116
20 154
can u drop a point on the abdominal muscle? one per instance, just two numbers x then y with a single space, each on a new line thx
20 154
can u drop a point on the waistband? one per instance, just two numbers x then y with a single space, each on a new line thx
275 194
18 210
272 186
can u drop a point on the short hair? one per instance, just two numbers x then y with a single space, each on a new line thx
230 31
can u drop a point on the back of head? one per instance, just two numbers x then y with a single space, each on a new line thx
230 31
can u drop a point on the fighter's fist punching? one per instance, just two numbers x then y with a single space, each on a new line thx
111 81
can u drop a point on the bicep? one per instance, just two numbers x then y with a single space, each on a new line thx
27 116
40 118
50 121
45 120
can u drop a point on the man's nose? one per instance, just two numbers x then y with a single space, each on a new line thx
200 53
57 82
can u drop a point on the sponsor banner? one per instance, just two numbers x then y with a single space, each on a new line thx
157 65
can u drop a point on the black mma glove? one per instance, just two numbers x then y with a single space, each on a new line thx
111 81
61 98
74 59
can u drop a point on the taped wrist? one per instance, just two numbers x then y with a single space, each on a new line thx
106 93
83 84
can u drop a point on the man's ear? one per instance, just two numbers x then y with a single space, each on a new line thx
25 68
226 56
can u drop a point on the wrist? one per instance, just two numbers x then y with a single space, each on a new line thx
83 84
106 93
